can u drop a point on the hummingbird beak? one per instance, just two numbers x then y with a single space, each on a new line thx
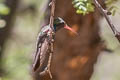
68 28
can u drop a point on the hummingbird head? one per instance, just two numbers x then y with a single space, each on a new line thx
60 23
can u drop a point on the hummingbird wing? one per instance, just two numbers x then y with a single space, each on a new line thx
41 51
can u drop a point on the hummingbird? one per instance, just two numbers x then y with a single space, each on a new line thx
40 58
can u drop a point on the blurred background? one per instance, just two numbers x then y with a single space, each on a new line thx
93 55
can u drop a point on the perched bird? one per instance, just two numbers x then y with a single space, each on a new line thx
41 58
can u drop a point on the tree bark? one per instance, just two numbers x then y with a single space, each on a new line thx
74 56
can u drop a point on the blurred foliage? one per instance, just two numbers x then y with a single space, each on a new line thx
19 48
4 10
111 6
86 6
16 64
83 6
110 2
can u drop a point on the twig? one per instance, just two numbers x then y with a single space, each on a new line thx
50 59
52 14
39 56
51 36
104 12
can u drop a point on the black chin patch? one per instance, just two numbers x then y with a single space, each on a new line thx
59 26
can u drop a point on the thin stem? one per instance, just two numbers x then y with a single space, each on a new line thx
51 36
51 41
52 14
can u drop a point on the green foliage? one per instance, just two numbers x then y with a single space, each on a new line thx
86 6
83 6
16 61
4 10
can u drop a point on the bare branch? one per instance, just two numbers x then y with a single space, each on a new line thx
51 38
105 14
44 49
